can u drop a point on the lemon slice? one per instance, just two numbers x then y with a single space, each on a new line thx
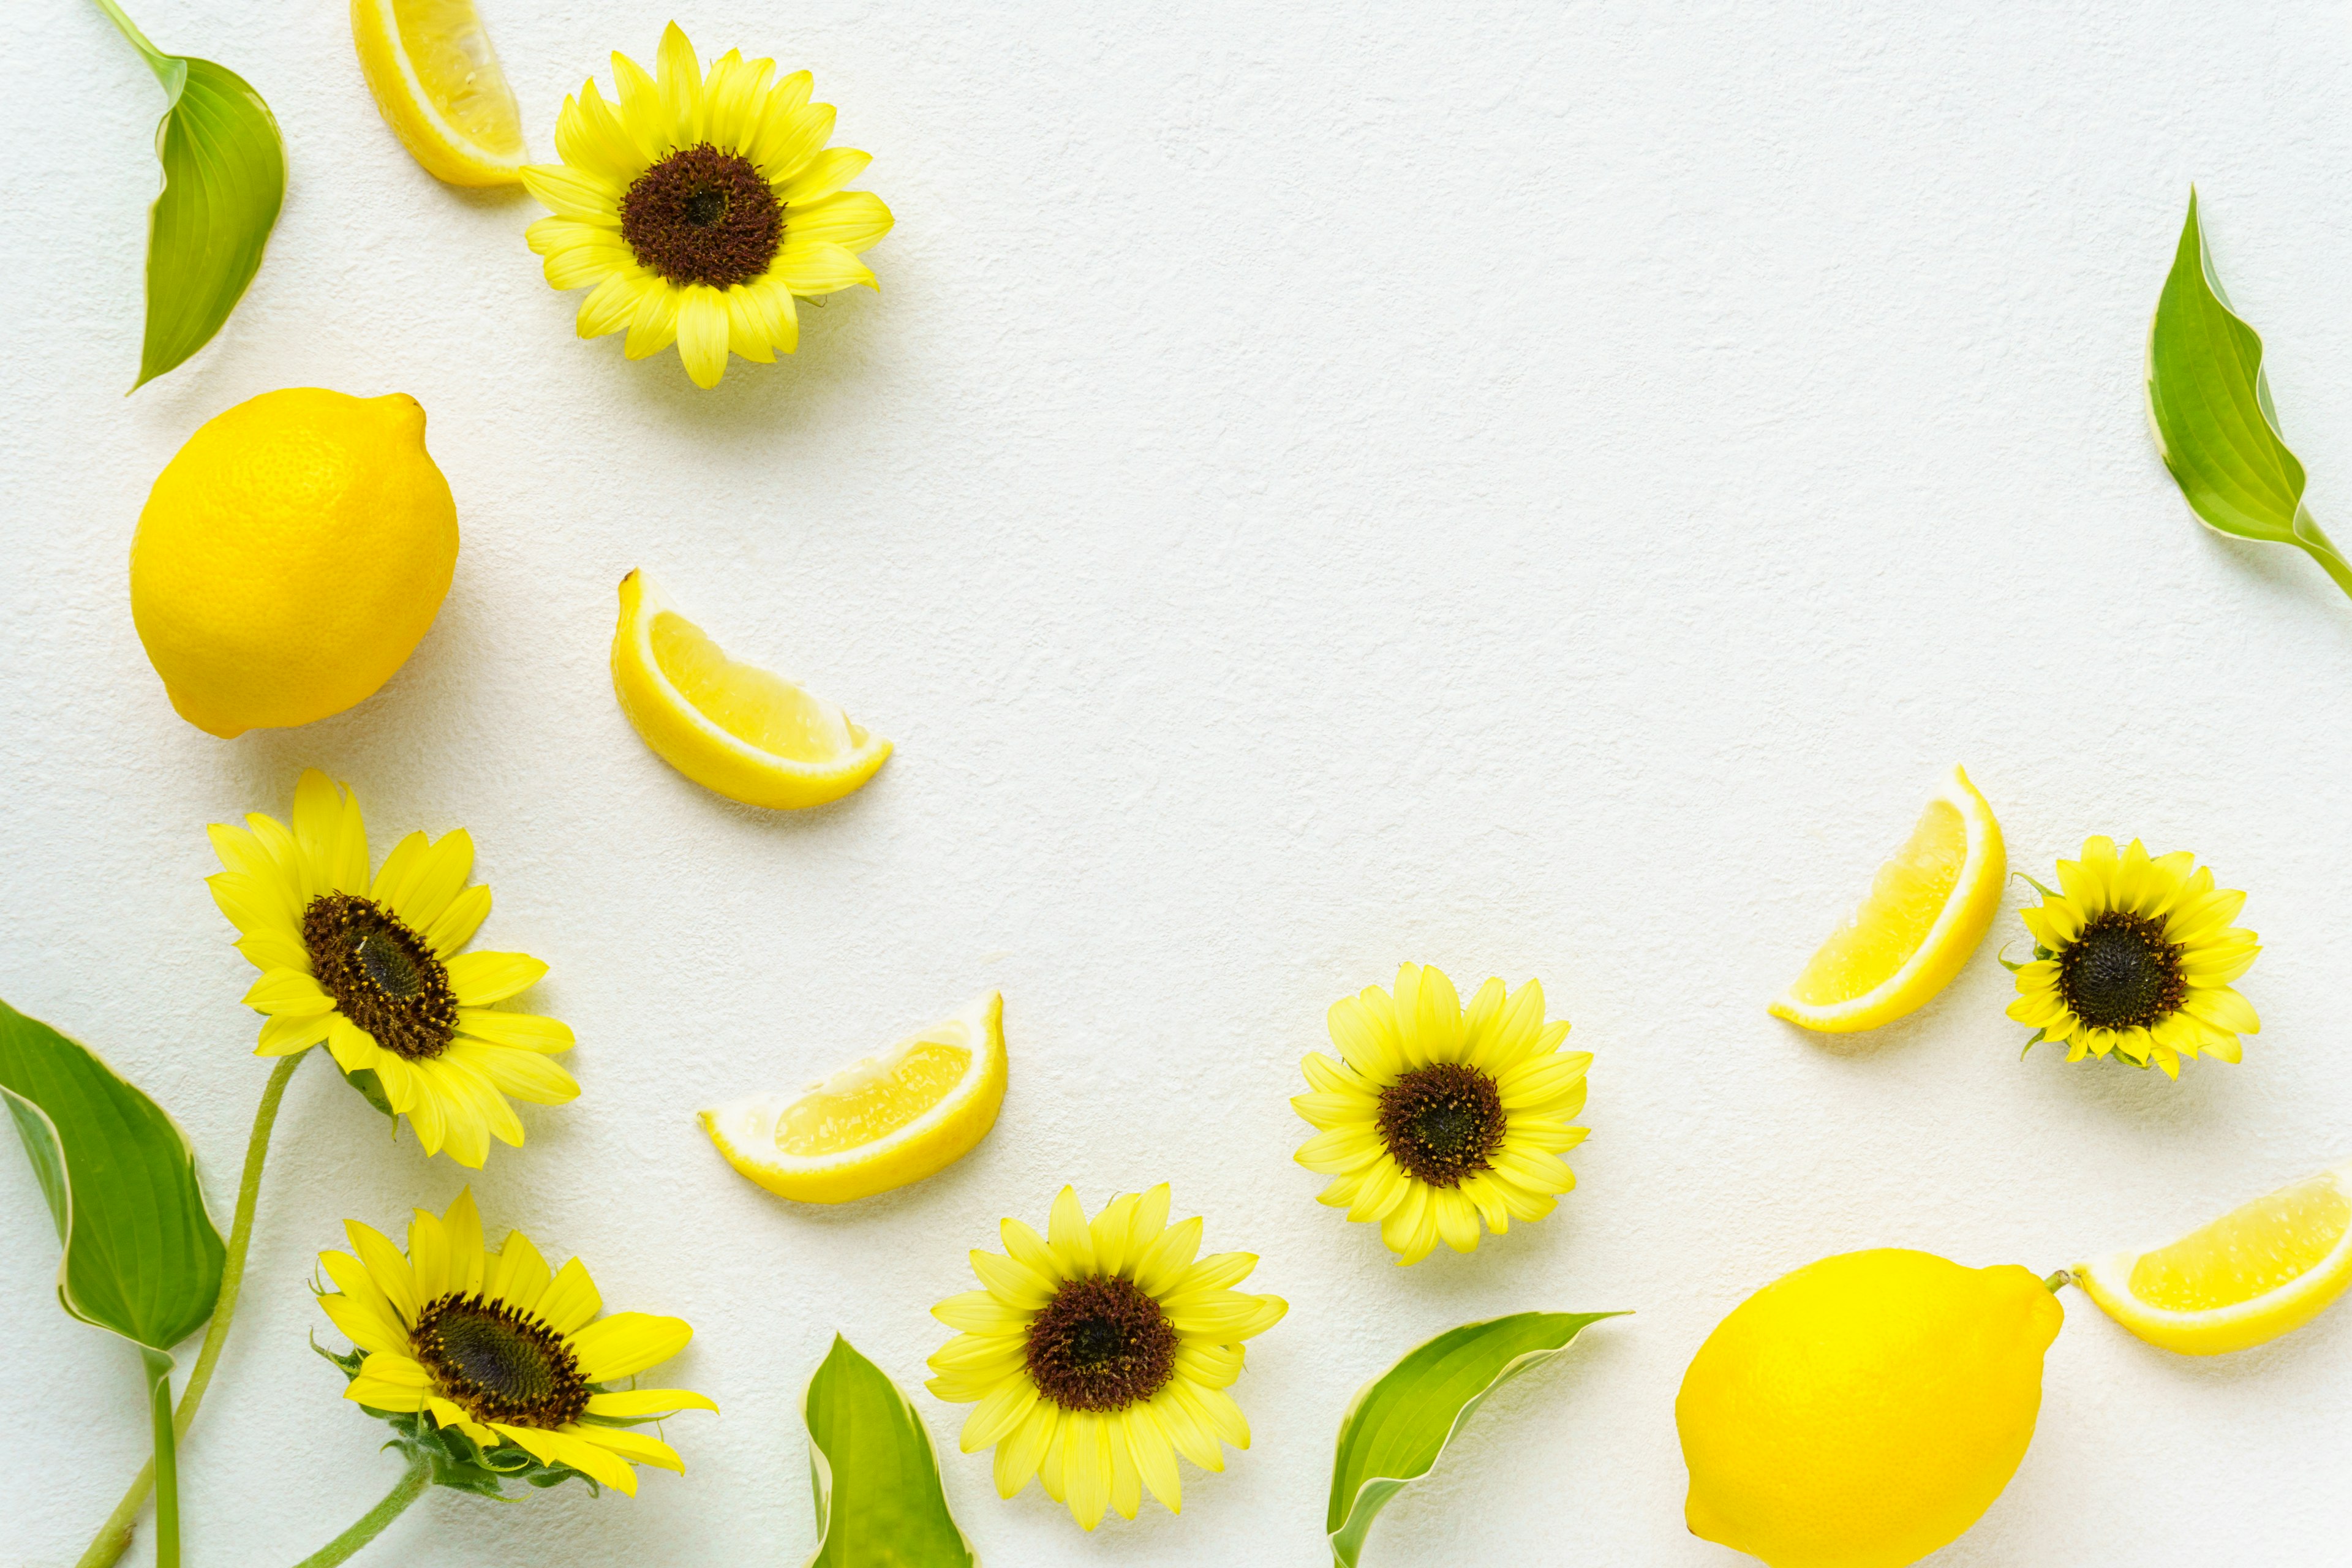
2251 1276
437 80
1926 913
908 1113
752 736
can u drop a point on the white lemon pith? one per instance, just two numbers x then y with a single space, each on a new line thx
1928 908
2251 1276
751 735
438 82
879 1123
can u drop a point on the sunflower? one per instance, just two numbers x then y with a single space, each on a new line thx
495 1348
1435 1117
372 969
2134 957
697 206
1095 1349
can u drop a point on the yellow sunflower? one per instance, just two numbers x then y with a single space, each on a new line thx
496 1348
696 206
372 968
1435 1117
1096 1348
2133 957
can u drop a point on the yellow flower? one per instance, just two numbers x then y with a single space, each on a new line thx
1096 1348
372 968
2134 957
697 206
1436 1119
494 1347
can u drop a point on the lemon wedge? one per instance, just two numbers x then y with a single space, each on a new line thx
437 82
880 1123
1928 910
752 736
2251 1276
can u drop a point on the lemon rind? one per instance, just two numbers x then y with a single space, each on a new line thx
465 160
849 774
984 1020
2219 1330
1975 899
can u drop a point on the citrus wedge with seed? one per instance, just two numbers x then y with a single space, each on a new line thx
437 82
750 735
1928 910
2258 1272
880 1123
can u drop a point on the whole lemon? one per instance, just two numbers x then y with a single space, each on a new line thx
291 556
1864 1410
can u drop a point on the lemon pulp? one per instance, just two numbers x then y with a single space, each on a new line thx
1906 898
871 1100
2251 1251
451 54
755 706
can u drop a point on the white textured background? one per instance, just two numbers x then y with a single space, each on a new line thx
1543 490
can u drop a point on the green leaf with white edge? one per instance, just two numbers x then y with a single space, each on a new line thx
142 1258
2210 405
1403 1420
223 182
876 1478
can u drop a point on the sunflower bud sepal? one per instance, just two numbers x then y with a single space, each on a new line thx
457 1462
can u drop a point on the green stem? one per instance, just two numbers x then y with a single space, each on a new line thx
167 1462
113 1537
2058 1282
371 1524
165 66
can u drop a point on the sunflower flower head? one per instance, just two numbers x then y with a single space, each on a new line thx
2134 956
492 1364
695 206
1099 1351
1436 1117
370 966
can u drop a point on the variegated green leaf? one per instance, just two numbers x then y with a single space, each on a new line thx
876 1478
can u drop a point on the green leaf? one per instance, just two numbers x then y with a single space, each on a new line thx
878 1502
1403 1420
223 182
142 1258
2210 405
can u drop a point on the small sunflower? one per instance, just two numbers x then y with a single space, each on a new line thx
372 968
495 1349
2133 957
697 206
1437 1117
1097 1347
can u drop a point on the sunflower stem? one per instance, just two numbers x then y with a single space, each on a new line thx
410 1487
113 1537
166 1461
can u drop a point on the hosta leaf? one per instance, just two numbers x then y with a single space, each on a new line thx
223 181
878 1502
141 1256
1403 1420
2210 405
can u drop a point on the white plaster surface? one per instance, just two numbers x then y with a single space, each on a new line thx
1541 489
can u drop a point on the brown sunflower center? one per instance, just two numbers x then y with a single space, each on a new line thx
1101 1345
499 1364
381 973
702 215
2120 973
1442 1122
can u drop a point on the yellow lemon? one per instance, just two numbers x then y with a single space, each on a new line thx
1927 909
729 727
2259 1271
1864 1410
438 84
291 556
879 1123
